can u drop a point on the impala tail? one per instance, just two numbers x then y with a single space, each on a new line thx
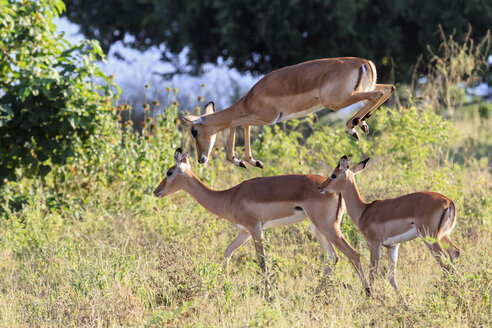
367 77
448 221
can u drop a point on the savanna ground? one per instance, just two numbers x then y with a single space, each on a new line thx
89 245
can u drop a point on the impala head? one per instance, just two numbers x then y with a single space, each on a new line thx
342 174
204 135
175 175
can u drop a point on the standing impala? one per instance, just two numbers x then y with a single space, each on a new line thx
260 203
292 92
390 222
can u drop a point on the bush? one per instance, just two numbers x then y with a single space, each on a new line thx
49 99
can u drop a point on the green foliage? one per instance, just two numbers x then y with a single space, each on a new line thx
50 102
265 35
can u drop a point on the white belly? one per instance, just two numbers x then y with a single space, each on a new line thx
240 226
291 116
406 236
297 217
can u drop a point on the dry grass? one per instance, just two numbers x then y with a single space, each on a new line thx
164 269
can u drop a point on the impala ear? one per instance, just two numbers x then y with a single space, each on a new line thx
178 156
359 166
186 158
209 108
343 163
192 119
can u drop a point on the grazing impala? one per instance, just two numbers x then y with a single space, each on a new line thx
390 222
292 92
260 203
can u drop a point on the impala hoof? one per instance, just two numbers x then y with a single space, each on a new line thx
364 127
354 134
259 164
241 164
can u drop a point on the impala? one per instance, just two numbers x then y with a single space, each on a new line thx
390 222
261 203
292 92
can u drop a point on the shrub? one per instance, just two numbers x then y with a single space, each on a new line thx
49 99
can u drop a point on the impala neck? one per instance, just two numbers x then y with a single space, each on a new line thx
232 116
214 201
355 204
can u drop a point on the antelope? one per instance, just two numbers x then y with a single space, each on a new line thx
260 203
292 92
390 222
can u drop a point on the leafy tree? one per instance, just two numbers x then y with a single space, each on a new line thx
49 100
263 35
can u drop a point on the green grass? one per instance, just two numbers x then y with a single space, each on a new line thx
90 245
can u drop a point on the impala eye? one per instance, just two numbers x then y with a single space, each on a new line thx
194 132
333 176
169 173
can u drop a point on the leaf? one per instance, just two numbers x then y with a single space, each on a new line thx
7 110
71 120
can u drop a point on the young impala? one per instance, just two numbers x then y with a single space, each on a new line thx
390 222
261 203
293 92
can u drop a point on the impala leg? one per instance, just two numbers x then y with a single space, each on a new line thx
327 247
230 148
387 90
247 148
241 238
375 249
393 259
332 259
260 253
452 250
354 257
438 253
372 98
257 234
355 97
330 228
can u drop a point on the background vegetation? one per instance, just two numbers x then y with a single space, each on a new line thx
87 244
269 34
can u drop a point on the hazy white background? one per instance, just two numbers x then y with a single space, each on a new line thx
224 84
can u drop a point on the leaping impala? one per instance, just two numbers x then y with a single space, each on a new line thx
390 222
292 92
261 203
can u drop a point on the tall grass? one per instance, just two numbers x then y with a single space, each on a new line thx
458 64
